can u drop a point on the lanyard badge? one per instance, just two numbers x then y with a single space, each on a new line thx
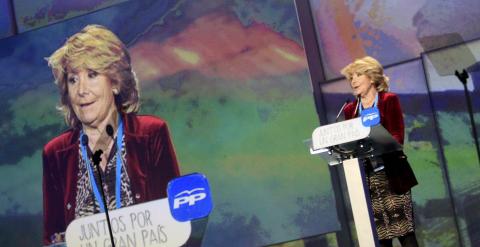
370 116
118 171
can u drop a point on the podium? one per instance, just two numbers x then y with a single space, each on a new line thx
345 143
180 219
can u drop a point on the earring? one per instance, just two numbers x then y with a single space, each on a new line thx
115 91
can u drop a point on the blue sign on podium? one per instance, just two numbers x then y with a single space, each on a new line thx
189 197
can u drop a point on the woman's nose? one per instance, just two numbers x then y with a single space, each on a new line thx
82 86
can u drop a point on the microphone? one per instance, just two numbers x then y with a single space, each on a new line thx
96 157
109 130
462 76
341 109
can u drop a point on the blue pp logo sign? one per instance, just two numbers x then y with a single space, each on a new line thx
189 197
370 117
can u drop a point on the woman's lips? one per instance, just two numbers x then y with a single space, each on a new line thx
86 104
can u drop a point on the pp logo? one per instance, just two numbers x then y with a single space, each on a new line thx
370 117
189 197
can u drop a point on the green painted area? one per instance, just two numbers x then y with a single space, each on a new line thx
20 186
35 108
249 143
462 166
455 128
425 164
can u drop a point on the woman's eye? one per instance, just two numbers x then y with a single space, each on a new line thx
72 80
92 74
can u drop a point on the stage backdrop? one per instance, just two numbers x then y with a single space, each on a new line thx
455 129
35 14
231 80
422 43
392 31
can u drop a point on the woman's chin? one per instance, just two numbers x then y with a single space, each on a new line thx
88 122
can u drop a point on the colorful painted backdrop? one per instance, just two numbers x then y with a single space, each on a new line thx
422 43
231 80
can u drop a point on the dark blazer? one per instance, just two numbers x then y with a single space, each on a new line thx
151 164
400 175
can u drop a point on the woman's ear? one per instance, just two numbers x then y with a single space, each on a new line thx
115 86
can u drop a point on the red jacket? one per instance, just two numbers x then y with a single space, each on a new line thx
391 116
399 173
151 164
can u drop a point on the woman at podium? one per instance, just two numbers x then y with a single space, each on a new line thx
107 142
389 185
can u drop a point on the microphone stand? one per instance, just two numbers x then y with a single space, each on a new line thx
337 148
96 162
341 110
463 79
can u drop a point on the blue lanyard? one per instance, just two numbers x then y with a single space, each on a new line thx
118 173
360 107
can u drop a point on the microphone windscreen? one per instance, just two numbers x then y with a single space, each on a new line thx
110 130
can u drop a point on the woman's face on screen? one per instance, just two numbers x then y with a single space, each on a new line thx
361 84
91 96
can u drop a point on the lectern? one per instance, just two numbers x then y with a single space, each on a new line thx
345 143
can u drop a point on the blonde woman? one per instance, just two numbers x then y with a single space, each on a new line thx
389 177
99 99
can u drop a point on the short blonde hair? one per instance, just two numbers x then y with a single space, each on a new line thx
370 67
95 48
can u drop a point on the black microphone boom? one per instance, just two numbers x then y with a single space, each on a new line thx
97 159
96 163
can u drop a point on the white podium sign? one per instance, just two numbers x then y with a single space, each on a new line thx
339 133
146 224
